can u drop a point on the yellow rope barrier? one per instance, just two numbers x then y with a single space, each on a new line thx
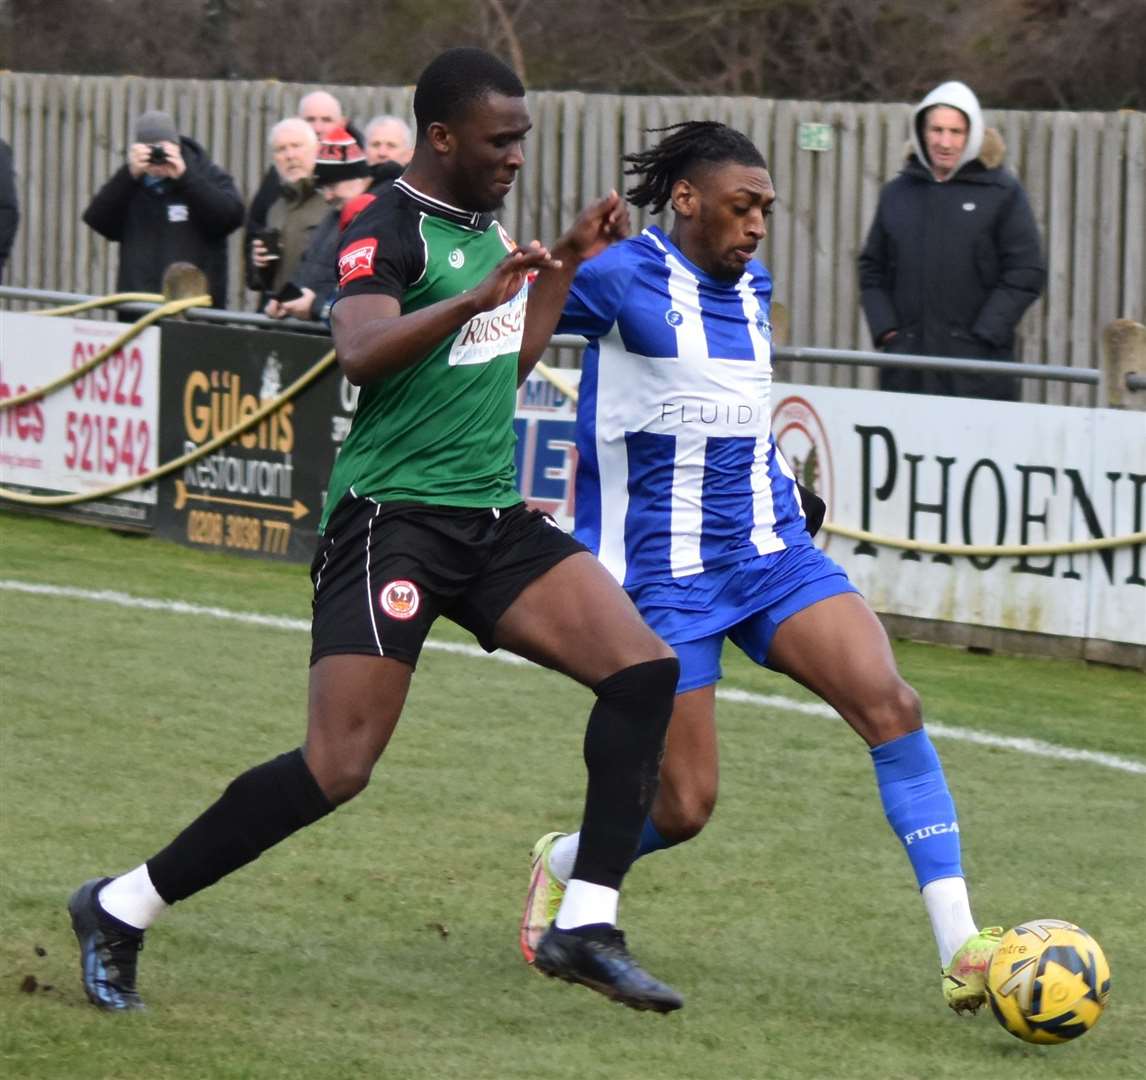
133 331
555 380
260 414
103 301
923 546
987 550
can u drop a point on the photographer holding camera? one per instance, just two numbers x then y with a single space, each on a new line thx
168 203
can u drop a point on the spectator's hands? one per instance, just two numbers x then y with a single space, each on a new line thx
299 307
886 338
507 278
137 155
139 161
174 167
597 226
259 254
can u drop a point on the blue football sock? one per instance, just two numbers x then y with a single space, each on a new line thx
651 840
918 805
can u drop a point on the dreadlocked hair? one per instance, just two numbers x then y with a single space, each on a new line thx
692 143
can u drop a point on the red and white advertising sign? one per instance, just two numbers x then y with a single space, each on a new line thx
98 431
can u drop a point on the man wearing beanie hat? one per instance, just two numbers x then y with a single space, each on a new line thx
169 203
952 259
341 174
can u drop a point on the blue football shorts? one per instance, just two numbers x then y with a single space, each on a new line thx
745 603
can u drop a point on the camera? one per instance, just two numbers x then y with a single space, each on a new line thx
158 155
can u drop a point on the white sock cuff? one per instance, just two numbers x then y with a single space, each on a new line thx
949 908
563 855
132 898
585 903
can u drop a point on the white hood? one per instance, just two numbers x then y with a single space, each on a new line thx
958 96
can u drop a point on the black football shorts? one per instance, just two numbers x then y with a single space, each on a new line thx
384 571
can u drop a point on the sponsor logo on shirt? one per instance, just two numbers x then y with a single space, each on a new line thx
491 333
357 261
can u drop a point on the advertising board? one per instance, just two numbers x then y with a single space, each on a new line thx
98 431
261 494
943 470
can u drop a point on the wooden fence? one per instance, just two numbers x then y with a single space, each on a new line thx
1085 174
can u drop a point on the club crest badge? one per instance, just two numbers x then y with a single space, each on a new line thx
400 599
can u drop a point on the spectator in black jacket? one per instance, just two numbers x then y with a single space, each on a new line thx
953 257
9 206
342 175
169 203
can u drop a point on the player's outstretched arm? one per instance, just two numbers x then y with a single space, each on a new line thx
374 339
597 226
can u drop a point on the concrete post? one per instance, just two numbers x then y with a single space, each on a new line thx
1123 352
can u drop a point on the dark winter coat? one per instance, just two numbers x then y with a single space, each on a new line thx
295 214
183 220
318 268
9 205
951 266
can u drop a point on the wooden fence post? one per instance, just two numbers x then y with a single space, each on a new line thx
1123 352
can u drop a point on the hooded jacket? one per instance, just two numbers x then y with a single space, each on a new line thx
951 265
168 221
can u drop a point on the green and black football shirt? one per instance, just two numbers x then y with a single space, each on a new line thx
440 431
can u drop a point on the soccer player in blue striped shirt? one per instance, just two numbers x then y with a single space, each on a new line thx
684 495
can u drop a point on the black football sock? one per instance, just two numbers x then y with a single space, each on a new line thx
257 810
623 746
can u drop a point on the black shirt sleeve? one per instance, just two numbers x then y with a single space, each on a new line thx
381 251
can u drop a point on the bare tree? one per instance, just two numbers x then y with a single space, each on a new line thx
1020 53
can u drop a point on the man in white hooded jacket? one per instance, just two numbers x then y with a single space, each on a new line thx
952 259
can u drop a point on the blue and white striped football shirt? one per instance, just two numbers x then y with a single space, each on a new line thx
678 471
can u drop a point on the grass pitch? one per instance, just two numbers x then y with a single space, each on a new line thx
382 941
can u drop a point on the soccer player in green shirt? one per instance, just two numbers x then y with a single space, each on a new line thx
437 321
